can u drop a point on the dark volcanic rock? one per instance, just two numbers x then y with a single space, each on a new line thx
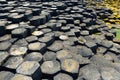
70 65
5 45
5 75
50 67
62 76
31 68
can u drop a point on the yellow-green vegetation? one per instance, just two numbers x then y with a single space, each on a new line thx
114 19
114 5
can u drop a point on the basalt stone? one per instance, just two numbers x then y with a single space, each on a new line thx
46 30
63 54
68 43
101 50
65 28
16 50
77 22
50 67
56 46
70 34
31 39
81 40
38 33
10 27
100 61
81 59
13 40
84 33
89 72
5 45
69 20
111 57
62 76
35 21
63 22
114 50
109 73
28 15
46 39
13 62
2 29
5 75
36 11
21 77
49 56
58 26
19 33
34 56
76 31
83 25
57 34
106 44
37 46
109 36
21 42
3 56
42 27
42 19
70 66
51 34
48 16
91 45
30 68
5 38
63 37
52 26
17 18
85 52
30 29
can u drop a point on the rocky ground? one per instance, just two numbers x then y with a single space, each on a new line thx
56 40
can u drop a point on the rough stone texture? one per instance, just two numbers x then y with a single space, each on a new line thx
68 38
5 45
17 50
13 62
62 76
70 65
21 77
50 67
5 75
89 72
56 46
3 56
34 56
31 68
